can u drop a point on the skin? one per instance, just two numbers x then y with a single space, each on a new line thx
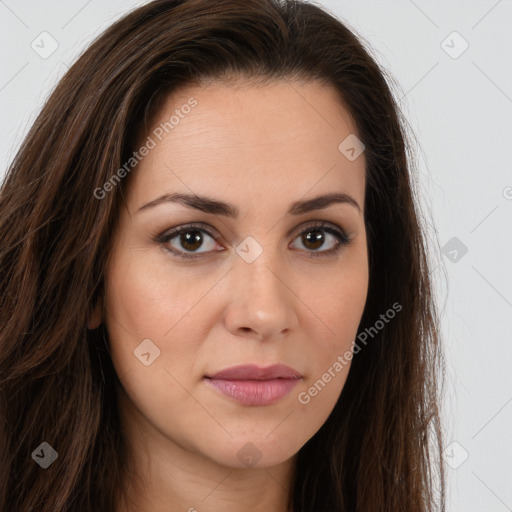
259 148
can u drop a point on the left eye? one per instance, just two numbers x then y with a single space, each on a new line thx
315 237
191 238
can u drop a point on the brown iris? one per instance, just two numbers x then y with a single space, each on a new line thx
316 240
193 238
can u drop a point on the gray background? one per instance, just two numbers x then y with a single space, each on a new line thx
460 108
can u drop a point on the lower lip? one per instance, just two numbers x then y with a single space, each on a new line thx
254 392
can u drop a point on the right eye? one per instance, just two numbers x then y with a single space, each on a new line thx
190 237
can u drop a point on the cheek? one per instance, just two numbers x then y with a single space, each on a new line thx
337 300
147 300
336 310
146 295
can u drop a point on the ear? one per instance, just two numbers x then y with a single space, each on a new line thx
96 316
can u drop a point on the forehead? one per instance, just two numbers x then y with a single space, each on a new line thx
225 136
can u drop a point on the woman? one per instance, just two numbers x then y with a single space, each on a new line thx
215 288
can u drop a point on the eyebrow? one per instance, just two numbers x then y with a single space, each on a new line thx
216 207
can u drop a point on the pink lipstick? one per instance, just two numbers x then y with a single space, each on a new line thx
252 385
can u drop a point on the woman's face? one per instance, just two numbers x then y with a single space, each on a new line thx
266 285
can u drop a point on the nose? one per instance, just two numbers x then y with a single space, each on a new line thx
262 303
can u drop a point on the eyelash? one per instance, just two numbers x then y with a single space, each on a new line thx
342 239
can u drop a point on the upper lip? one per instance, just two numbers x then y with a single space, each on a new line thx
254 372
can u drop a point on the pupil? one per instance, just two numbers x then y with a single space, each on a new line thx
191 240
317 240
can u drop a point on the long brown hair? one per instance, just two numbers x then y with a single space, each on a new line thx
380 448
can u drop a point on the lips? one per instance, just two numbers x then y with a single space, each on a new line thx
253 372
252 385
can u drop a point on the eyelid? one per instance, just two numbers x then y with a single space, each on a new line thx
215 234
342 237
164 236
317 224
